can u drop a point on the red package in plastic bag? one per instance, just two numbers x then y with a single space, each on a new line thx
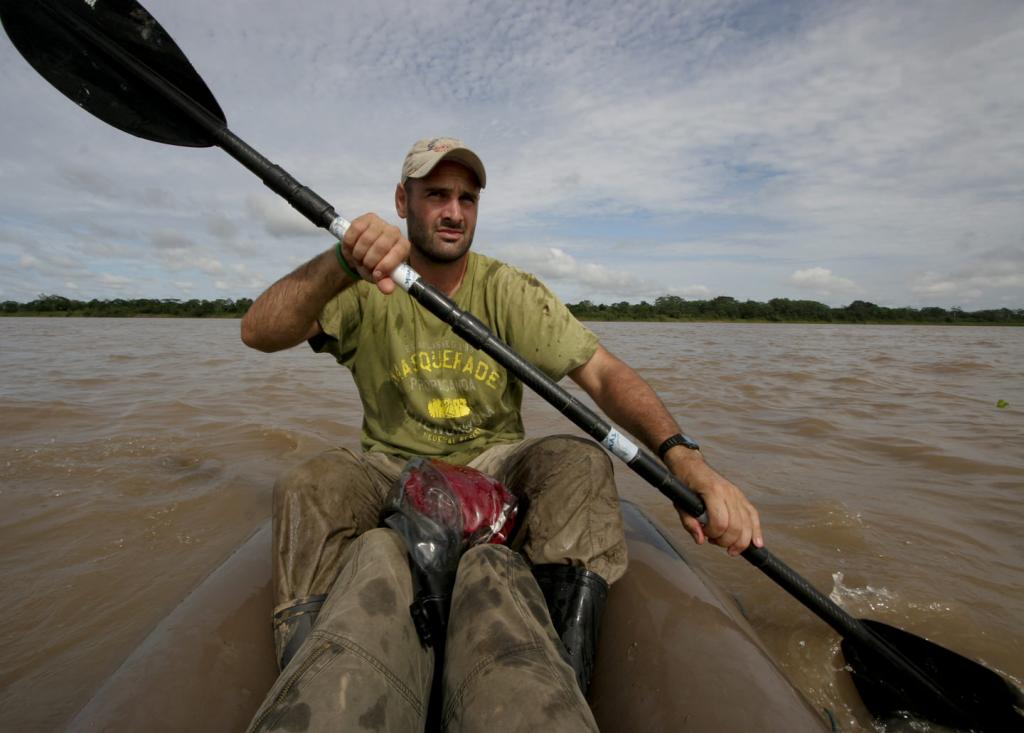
440 490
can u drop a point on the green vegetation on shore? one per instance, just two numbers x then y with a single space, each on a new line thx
784 310
665 308
58 305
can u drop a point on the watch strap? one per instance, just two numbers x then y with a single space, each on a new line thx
673 441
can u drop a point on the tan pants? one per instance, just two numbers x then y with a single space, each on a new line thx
363 667
573 512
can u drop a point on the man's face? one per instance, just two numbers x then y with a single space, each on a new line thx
440 210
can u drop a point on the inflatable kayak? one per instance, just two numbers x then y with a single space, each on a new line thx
674 654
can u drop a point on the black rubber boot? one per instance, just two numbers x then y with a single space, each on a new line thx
292 625
576 598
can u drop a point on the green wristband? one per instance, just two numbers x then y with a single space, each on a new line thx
344 265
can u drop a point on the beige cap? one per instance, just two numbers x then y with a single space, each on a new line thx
428 152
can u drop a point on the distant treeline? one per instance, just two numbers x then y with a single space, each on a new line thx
724 308
57 305
665 308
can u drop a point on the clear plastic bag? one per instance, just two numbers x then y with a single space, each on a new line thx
441 510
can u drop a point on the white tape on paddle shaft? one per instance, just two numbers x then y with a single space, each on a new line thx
339 226
404 276
620 445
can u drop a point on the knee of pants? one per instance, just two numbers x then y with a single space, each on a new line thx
573 445
574 449
494 572
383 544
376 559
481 584
569 463
483 558
305 481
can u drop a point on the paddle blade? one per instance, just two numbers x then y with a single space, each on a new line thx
980 699
91 51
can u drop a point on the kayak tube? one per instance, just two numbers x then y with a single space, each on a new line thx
674 654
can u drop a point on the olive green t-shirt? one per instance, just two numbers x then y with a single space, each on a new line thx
427 392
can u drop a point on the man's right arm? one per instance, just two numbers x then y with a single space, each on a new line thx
286 313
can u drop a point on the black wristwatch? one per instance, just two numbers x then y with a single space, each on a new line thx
672 442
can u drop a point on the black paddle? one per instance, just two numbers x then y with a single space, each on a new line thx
114 60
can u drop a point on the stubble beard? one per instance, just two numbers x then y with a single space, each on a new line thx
422 238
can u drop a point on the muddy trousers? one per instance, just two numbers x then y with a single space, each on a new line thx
320 507
363 667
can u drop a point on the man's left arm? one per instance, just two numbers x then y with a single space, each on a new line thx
629 401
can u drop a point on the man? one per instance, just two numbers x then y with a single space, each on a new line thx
424 392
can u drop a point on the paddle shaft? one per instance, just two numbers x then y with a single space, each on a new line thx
322 214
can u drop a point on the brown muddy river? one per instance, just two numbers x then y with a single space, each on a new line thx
136 454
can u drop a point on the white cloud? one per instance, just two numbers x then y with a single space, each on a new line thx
933 284
88 180
209 265
241 278
591 279
993 271
553 263
114 281
171 240
278 218
180 260
46 263
547 262
243 283
691 291
222 226
822 281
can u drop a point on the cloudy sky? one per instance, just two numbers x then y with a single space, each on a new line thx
824 150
